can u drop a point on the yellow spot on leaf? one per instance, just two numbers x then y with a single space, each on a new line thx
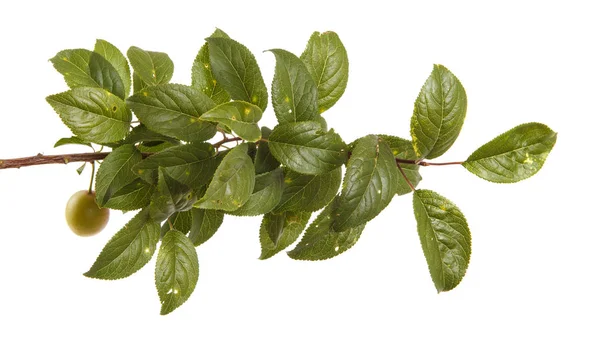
65 59
254 99
247 110
528 160
206 65
287 180
286 99
145 93
214 82
321 110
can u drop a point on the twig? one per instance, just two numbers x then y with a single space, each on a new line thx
405 177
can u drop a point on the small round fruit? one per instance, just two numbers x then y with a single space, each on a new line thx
84 216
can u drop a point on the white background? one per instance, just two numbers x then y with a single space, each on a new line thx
534 270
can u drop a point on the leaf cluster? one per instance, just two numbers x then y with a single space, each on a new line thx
198 153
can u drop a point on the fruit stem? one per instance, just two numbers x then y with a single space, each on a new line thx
92 178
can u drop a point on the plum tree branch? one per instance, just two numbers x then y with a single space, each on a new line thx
51 159
96 156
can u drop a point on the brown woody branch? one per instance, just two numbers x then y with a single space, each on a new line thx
51 159
95 156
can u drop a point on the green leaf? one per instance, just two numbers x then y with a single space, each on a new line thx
138 84
93 114
327 61
174 110
84 68
309 193
439 113
294 91
513 156
153 68
170 196
154 147
403 149
232 183
370 183
305 148
115 172
141 133
267 192
176 272
285 227
252 151
320 242
235 69
264 162
445 238
191 164
132 196
241 117
181 221
115 57
71 140
106 75
204 224
128 250
202 75
323 122
73 64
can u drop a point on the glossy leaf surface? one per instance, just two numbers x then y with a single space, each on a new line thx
294 91
327 61
153 68
239 116
176 272
93 114
439 113
321 242
128 250
204 224
202 75
267 192
232 183
305 148
235 69
174 110
513 156
308 193
278 231
445 238
115 172
370 183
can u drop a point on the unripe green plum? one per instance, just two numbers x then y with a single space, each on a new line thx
83 214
